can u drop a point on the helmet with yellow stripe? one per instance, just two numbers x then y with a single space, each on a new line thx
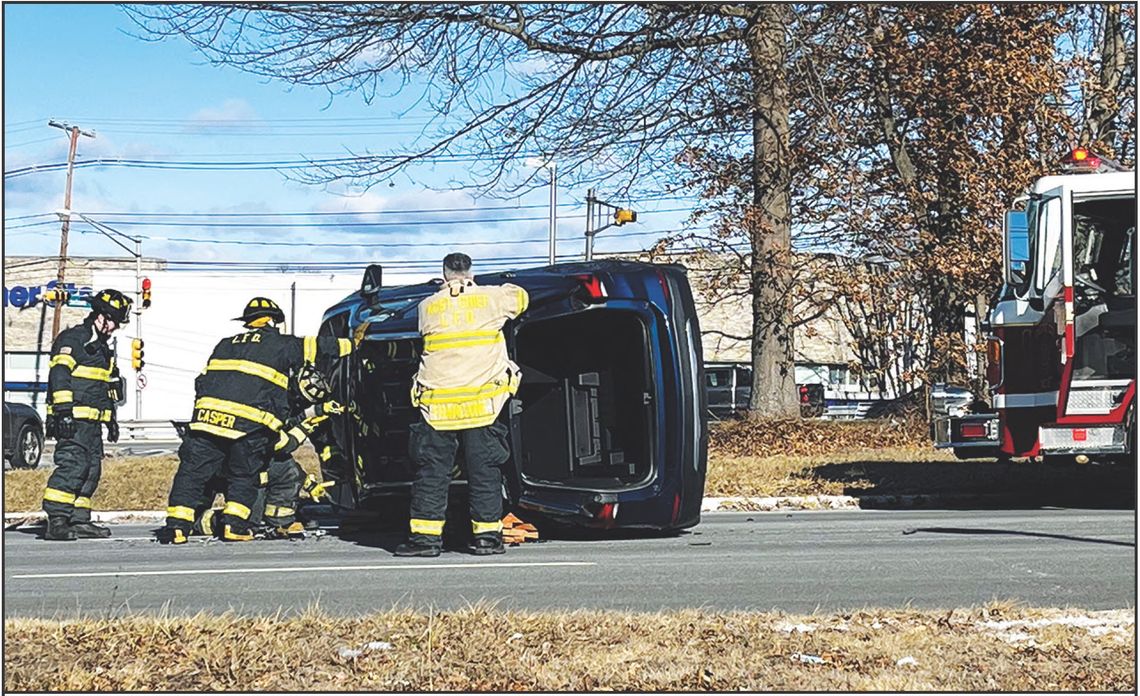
112 304
261 311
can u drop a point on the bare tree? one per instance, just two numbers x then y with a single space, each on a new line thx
615 93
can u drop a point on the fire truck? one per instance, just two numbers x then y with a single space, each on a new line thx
1061 331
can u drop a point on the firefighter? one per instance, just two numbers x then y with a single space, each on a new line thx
464 379
80 399
241 403
287 480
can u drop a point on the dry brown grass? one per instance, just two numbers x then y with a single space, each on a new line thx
127 483
796 437
482 649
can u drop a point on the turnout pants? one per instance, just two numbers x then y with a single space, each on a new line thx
78 464
201 458
433 452
277 502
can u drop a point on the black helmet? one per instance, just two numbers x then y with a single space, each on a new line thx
113 304
261 307
312 384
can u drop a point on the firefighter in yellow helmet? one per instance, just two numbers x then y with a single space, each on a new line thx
241 404
464 379
81 379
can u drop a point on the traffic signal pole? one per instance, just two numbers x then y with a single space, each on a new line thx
138 320
74 132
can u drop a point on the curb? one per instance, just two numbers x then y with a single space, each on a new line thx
708 504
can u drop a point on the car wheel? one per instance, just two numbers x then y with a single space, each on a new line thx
29 447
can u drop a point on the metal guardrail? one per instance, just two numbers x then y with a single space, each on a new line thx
148 431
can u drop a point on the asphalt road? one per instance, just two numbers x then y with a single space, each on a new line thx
796 562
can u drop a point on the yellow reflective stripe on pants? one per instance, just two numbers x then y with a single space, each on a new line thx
93 414
180 512
55 495
429 527
65 360
486 527
233 408
82 502
278 511
249 367
310 349
228 433
63 396
93 373
236 509
345 346
263 478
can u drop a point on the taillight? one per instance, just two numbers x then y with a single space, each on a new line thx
664 286
803 394
973 430
593 287
606 512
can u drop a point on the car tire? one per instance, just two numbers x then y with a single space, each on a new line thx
29 447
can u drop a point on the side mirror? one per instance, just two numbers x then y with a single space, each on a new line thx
1016 246
373 280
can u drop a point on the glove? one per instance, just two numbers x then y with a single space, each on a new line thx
311 423
64 424
329 407
113 431
317 491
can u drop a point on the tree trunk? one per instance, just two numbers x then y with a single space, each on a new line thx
773 363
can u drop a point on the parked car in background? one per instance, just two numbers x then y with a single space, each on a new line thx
728 387
609 427
23 436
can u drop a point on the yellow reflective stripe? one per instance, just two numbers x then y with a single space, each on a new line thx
250 368
93 373
524 300
429 395
326 453
461 339
345 346
278 511
310 349
430 527
462 423
180 512
282 442
88 413
207 521
65 360
263 478
270 510
62 396
228 433
236 509
485 527
241 410
82 502
297 434
55 495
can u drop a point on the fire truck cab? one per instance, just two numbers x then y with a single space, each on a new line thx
1061 333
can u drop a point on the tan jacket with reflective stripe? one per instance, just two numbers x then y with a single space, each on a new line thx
465 376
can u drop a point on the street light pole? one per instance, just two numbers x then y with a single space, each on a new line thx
66 223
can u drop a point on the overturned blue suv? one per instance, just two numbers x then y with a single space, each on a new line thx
608 429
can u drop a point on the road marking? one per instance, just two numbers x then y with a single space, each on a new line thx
311 569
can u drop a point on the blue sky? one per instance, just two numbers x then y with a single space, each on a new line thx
151 101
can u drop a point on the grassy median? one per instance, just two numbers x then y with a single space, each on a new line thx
998 647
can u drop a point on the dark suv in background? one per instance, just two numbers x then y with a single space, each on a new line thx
609 426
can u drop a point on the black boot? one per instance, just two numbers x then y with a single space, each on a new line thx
411 549
58 529
485 546
172 535
87 530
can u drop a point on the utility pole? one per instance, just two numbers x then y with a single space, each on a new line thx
553 210
138 319
594 211
75 132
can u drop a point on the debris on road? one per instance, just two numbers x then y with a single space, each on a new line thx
516 532
907 661
808 659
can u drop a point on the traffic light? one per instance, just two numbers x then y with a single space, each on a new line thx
145 293
137 361
624 215
56 296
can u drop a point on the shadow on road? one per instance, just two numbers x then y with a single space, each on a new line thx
1012 532
984 484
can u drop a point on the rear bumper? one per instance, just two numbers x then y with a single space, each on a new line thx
1107 438
975 432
